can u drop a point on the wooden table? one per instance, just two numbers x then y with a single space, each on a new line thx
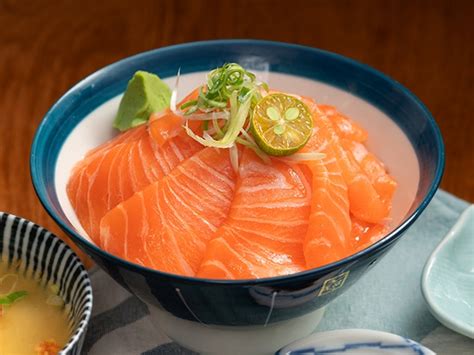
46 47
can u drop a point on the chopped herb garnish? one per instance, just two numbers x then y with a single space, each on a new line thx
226 105
12 297
226 102
222 83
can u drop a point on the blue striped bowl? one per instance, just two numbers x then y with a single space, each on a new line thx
52 261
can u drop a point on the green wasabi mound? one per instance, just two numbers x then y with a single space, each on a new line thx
146 93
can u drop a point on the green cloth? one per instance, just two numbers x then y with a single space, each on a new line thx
388 297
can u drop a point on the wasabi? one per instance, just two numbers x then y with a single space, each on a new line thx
146 93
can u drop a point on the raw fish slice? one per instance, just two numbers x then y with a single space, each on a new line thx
365 203
167 225
329 226
87 180
114 175
165 125
143 163
383 183
365 234
263 235
126 137
343 125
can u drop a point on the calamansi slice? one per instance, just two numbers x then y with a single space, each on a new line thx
281 124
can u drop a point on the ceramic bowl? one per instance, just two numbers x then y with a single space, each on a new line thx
448 278
356 342
402 133
51 261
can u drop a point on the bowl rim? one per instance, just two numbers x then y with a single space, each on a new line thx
381 244
84 318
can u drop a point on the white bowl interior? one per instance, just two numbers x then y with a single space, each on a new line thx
386 139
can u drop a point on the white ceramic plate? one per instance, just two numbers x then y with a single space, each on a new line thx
448 277
356 342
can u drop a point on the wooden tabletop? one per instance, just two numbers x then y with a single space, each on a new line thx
47 46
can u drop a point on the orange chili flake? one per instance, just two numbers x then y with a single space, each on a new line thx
48 347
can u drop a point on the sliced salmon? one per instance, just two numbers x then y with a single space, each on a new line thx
263 235
365 203
365 234
329 225
165 125
112 176
126 137
168 224
343 125
384 184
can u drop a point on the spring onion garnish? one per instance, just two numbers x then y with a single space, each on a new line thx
226 106
8 283
221 84
234 157
230 131
12 297
223 105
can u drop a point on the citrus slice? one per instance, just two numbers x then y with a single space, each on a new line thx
281 124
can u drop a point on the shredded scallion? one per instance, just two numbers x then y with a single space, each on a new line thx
12 297
224 105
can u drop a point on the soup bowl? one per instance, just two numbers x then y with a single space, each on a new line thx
264 314
47 259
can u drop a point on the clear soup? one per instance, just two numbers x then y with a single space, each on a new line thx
33 318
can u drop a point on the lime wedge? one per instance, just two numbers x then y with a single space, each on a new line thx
281 124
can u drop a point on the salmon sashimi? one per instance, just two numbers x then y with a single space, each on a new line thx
383 183
126 137
329 225
344 126
110 177
365 203
364 234
263 234
165 125
168 224
96 153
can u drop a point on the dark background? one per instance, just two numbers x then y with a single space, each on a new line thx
47 46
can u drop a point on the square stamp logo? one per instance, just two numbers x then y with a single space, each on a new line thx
332 284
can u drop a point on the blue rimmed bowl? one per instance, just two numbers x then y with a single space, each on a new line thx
52 262
402 133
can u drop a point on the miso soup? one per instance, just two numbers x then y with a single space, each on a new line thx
33 318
